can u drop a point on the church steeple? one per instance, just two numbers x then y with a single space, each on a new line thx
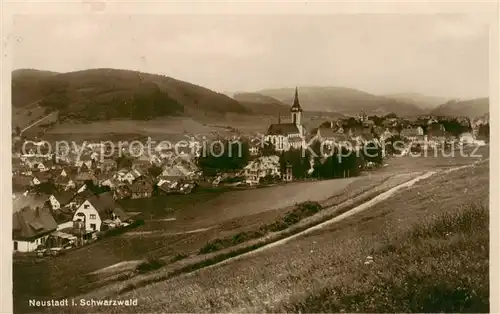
296 110
296 104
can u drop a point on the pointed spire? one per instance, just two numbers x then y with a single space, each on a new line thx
296 103
279 118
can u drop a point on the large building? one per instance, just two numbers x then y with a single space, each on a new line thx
284 136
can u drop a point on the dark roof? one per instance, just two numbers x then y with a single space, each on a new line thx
62 180
104 202
64 197
282 129
84 176
28 223
42 176
29 200
21 180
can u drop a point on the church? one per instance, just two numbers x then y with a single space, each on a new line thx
284 136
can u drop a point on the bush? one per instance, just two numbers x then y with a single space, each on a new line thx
149 265
178 257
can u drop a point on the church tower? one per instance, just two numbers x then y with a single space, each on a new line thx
296 110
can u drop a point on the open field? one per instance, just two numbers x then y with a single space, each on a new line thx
179 226
413 238
169 128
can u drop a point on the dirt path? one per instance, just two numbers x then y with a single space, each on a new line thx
36 122
379 198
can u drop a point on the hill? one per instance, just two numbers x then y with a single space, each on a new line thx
343 100
27 86
470 108
101 94
422 101
262 104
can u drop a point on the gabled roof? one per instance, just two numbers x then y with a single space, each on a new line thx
64 197
104 202
283 129
27 201
42 176
29 223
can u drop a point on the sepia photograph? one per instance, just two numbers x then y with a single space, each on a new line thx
250 162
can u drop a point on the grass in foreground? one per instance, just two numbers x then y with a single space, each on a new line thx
429 246
439 266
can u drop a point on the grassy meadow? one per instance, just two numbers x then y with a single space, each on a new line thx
429 249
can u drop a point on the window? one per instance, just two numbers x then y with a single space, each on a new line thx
93 226
92 216
15 245
86 206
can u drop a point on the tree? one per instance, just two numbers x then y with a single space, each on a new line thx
299 162
47 188
268 149
393 145
372 152
223 156
123 162
391 115
154 171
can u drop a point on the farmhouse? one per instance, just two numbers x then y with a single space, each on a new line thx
94 211
31 228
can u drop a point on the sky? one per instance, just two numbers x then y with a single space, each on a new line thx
436 55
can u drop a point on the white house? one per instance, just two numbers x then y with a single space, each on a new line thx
466 138
261 167
97 209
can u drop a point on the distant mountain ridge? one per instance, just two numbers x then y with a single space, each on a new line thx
343 100
262 104
424 102
469 108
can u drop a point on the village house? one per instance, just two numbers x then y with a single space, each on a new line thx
108 165
466 138
413 133
261 167
31 228
141 188
86 160
66 183
40 177
98 211
61 199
